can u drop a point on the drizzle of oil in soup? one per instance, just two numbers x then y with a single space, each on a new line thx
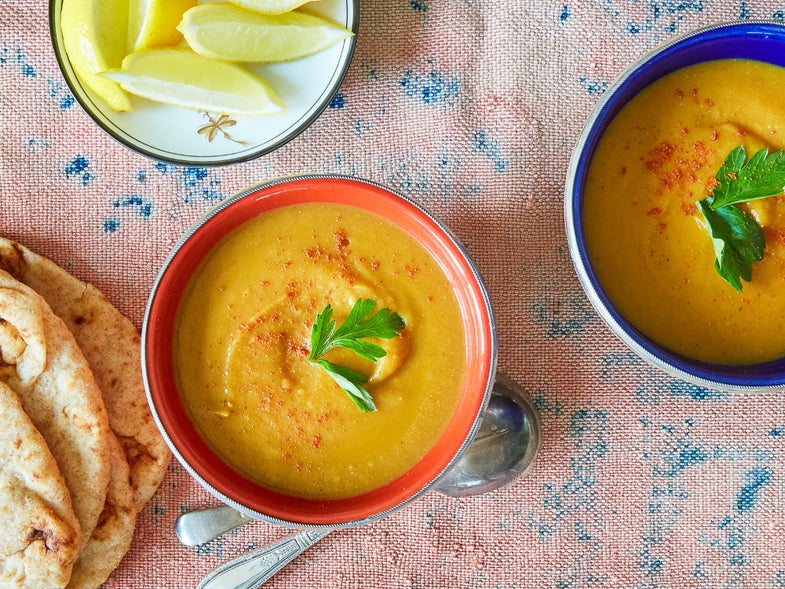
242 342
647 240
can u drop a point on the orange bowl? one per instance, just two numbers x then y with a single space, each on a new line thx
158 362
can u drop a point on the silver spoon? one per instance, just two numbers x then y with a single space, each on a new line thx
502 450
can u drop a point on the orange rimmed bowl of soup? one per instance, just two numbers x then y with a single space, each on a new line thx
227 344
697 291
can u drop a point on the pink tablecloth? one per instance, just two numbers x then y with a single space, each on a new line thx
471 108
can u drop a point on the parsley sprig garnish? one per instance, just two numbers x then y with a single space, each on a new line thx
359 324
738 238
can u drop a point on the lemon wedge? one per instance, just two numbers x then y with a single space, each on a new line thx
153 23
93 45
229 32
182 78
270 6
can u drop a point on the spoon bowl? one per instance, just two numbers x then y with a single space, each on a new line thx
504 447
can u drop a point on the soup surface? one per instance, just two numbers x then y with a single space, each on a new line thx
242 341
646 238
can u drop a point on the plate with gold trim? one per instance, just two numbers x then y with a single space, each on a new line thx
182 136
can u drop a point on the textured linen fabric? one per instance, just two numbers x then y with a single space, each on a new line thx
471 108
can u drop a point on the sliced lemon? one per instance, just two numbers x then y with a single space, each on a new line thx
183 78
270 6
153 23
93 44
229 32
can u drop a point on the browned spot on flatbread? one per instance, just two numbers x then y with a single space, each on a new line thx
13 261
47 535
84 319
108 513
135 452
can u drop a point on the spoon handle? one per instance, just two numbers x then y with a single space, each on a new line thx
252 570
198 527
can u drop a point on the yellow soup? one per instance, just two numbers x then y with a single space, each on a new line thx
242 341
646 238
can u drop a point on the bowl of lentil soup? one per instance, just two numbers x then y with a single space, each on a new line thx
656 263
227 369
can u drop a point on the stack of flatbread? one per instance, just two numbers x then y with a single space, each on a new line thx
80 454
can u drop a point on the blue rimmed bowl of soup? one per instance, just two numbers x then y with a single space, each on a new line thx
697 291
228 336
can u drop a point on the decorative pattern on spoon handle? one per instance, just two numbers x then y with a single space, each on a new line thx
252 570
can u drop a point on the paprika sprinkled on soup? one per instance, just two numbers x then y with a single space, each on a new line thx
647 239
242 346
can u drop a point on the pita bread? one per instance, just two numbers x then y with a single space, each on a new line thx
44 366
112 538
111 344
40 538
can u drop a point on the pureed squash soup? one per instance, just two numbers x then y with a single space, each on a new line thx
241 347
647 240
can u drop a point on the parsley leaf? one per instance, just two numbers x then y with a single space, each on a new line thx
738 241
739 180
738 238
351 382
359 324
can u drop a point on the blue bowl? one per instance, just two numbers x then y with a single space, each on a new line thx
757 40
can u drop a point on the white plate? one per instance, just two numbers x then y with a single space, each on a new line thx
184 136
